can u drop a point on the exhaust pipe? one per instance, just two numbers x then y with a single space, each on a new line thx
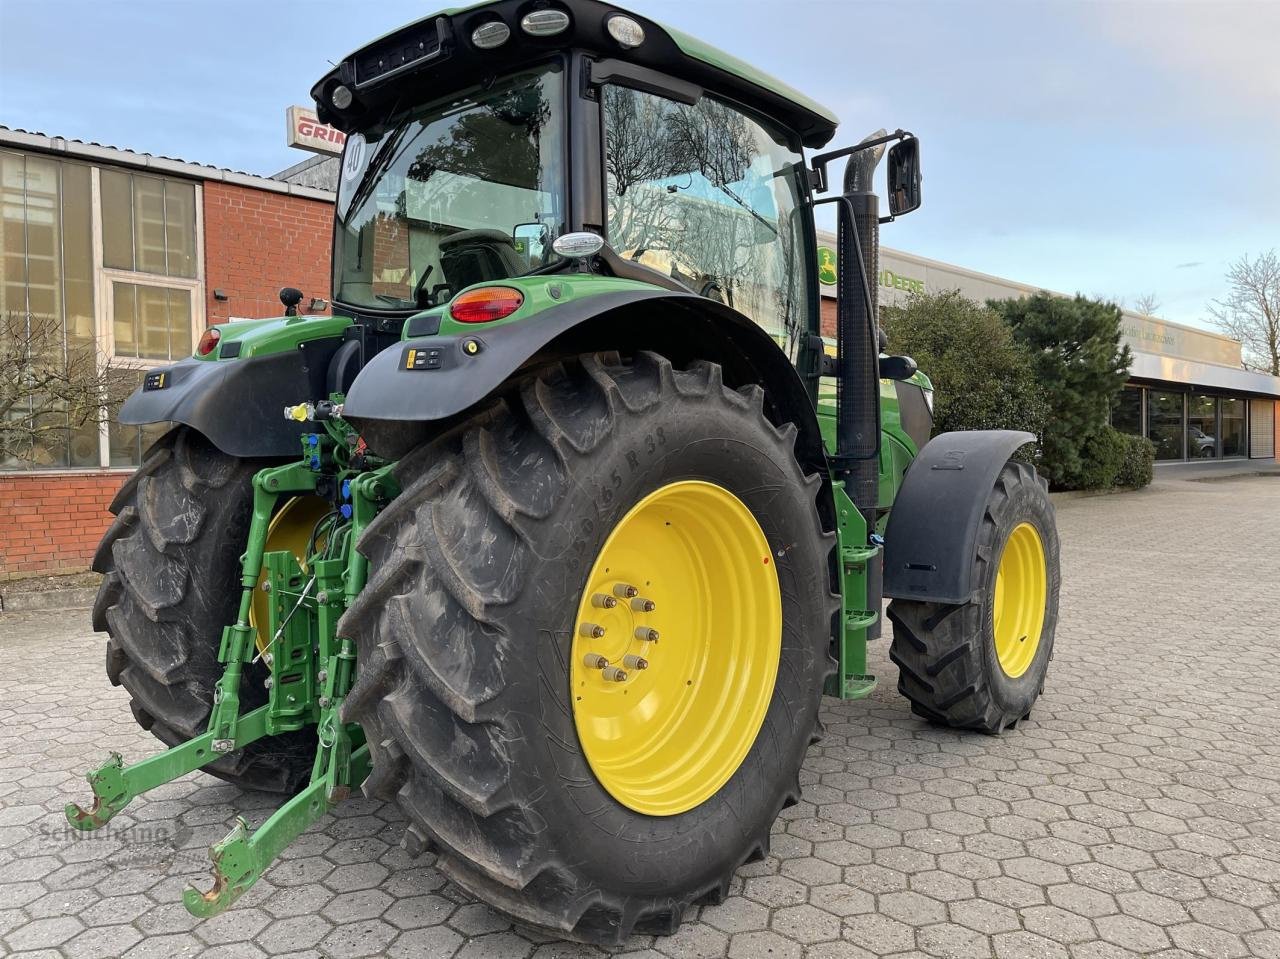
857 329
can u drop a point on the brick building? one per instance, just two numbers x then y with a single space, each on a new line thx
136 254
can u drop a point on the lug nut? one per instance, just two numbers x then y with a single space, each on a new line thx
641 605
603 601
591 630
646 635
625 591
595 661
614 675
635 662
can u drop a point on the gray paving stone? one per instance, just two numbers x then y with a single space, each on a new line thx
1132 816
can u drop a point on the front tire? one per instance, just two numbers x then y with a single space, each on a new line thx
982 664
468 637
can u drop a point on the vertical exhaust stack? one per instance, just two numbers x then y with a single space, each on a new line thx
858 396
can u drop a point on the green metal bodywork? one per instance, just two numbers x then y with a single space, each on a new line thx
275 335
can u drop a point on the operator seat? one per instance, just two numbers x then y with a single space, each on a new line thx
479 256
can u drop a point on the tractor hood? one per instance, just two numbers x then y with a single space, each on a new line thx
428 58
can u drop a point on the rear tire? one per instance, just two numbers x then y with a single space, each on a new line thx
465 629
948 664
171 566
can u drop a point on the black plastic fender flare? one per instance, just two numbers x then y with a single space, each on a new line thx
932 534
237 404
435 378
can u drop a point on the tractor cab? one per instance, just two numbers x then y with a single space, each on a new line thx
479 137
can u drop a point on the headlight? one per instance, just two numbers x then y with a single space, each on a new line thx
928 400
544 23
626 31
491 35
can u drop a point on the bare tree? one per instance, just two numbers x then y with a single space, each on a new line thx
1146 304
51 385
1250 312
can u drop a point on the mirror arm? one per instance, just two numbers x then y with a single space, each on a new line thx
818 164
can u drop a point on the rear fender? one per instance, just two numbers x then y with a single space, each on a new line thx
409 391
932 535
237 404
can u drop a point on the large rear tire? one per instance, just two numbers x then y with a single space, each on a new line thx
982 664
469 639
171 566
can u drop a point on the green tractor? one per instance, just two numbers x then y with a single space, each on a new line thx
556 532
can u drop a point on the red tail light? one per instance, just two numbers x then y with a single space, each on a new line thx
486 304
209 341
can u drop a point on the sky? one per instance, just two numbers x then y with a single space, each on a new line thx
1117 149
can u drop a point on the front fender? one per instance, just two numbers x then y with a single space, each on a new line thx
932 535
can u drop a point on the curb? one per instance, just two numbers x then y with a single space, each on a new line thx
80 597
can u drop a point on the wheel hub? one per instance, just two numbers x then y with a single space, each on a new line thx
1022 588
676 647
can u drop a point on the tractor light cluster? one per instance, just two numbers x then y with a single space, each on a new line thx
625 30
490 35
208 341
544 23
486 304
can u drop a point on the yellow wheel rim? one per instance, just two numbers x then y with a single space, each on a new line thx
669 735
290 529
1022 588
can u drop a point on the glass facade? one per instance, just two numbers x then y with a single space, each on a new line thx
1127 415
1184 426
1164 423
1234 431
84 286
1202 427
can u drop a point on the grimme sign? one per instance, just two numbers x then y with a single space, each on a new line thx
306 132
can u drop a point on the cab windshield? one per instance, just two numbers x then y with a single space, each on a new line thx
459 192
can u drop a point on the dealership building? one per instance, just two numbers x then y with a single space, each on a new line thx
137 254
1188 391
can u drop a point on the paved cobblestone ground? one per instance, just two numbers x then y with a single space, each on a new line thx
1138 813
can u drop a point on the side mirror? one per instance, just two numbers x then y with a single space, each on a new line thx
530 242
897 367
904 176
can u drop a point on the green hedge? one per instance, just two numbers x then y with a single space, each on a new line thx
1139 462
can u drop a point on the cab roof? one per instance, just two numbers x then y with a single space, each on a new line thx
423 59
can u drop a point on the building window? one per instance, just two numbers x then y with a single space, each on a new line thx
121 279
47 302
148 224
1164 423
1127 415
1202 427
1233 426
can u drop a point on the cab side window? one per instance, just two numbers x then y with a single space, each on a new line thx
709 195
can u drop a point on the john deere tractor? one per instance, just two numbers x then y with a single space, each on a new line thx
556 532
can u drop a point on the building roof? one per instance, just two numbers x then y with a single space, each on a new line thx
171 166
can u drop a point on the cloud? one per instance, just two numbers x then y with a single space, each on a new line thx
1221 53
1188 266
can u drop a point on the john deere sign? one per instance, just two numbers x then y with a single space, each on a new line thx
826 266
888 278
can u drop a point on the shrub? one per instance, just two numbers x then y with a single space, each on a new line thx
1101 458
1080 364
1139 461
982 379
